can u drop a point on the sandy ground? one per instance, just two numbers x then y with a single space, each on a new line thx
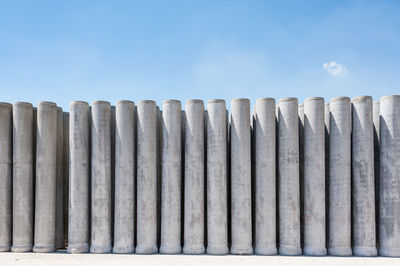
61 258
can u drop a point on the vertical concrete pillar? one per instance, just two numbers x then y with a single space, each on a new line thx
376 118
301 168
146 177
60 182
288 169
101 178
194 178
22 177
265 177
124 216
65 172
5 176
363 192
79 178
327 130
171 174
241 177
217 212
314 177
389 190
339 243
46 178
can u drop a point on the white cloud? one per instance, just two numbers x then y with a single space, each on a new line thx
334 68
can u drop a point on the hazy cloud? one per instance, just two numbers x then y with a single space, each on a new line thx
334 68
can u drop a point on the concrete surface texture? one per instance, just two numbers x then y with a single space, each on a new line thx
339 234
124 209
241 220
291 178
193 242
288 176
101 241
265 177
314 223
217 178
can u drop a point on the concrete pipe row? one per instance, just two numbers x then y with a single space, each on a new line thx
314 178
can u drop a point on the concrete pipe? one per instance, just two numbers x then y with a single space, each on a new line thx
79 179
217 212
288 169
314 177
22 177
339 243
389 179
46 178
363 192
146 177
124 216
6 136
60 182
241 215
265 177
101 178
194 178
171 174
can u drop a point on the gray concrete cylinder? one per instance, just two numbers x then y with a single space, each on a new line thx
363 192
314 177
124 216
79 178
241 177
265 177
60 182
146 177
171 174
65 172
101 178
288 175
217 205
339 243
6 136
389 190
46 178
194 178
376 118
22 177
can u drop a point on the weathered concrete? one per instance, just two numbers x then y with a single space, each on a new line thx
389 199
65 172
301 168
124 216
288 169
46 178
265 177
363 192
217 212
79 179
194 178
22 177
339 243
60 182
171 175
314 177
376 118
146 177
6 139
101 178
241 177
327 130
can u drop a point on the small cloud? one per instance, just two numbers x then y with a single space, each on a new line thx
334 68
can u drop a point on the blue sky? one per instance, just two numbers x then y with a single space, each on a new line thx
111 50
